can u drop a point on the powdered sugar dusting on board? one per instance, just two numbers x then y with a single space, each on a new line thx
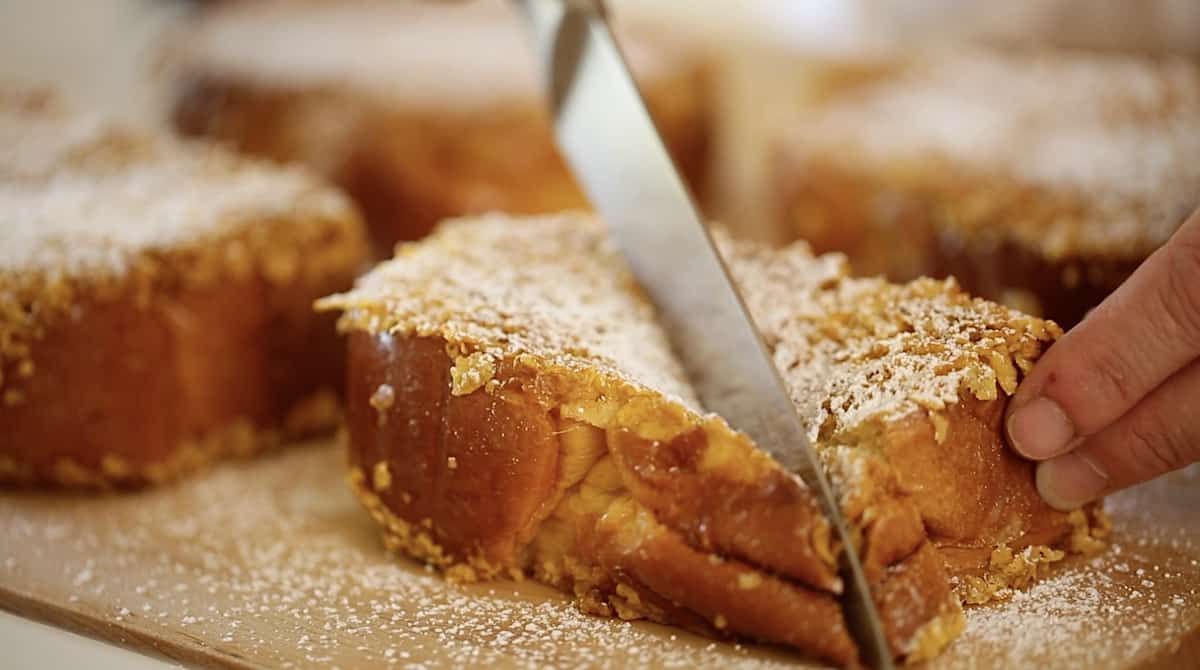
1071 609
274 563
1127 606
292 575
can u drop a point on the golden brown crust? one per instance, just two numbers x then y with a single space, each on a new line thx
153 318
481 485
632 498
1003 506
742 518
1036 179
410 156
425 413
486 506
904 616
503 445
732 596
122 389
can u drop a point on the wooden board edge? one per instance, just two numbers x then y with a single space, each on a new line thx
192 653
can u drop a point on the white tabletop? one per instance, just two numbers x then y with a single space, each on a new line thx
29 645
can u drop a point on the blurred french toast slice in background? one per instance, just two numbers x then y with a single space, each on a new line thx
420 110
155 300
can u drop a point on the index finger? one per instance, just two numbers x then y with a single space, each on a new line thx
1146 330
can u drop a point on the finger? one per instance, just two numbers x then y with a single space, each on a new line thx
1160 434
1145 331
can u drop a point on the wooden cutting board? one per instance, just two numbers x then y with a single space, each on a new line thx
272 563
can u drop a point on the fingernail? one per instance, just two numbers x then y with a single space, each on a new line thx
1068 481
1040 429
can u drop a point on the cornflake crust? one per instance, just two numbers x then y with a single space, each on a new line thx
421 111
514 408
154 300
1039 178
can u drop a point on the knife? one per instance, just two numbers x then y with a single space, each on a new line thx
614 150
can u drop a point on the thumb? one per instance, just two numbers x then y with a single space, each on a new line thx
1160 434
1145 332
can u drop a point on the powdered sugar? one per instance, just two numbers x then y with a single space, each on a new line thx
292 573
289 573
81 196
1099 609
1117 134
853 350
553 287
78 223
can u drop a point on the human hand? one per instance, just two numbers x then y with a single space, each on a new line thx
1116 401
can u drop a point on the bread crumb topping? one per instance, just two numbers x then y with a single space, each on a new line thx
854 350
381 476
471 372
382 400
932 637
118 212
547 290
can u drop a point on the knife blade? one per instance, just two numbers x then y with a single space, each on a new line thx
615 151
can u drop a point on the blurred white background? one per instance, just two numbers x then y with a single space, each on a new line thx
101 51
100 55
97 50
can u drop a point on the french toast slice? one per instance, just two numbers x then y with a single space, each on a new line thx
421 111
513 407
1040 179
155 301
